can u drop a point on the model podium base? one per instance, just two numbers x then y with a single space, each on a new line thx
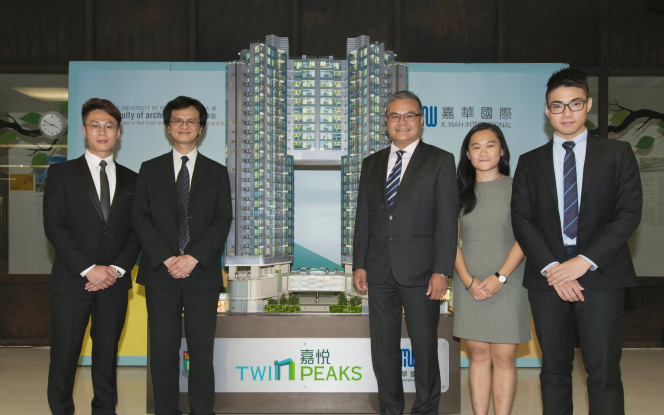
306 364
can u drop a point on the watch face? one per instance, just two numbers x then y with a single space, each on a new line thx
51 125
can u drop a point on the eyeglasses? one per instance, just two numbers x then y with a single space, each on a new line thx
178 123
96 127
410 117
559 107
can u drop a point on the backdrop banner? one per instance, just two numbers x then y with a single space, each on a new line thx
455 97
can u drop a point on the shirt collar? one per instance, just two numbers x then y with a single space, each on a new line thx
177 157
95 160
579 139
410 149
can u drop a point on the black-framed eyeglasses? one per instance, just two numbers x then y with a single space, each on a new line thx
178 123
95 127
407 117
559 107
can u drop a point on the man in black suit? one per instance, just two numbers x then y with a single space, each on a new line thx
182 214
404 249
87 219
575 202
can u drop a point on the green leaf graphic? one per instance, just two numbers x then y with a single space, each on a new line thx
661 124
39 159
8 137
590 125
64 107
31 117
645 142
619 116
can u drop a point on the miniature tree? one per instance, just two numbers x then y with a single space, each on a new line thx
294 300
342 299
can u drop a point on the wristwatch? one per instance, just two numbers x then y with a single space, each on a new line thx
501 278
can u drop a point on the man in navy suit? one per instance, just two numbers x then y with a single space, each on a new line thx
87 218
575 202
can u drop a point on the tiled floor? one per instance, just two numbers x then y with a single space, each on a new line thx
23 373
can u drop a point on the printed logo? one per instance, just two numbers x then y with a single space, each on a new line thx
185 363
320 370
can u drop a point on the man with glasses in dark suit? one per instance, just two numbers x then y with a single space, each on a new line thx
404 249
575 202
182 215
87 219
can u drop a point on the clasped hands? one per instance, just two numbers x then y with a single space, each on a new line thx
563 278
485 289
100 277
180 266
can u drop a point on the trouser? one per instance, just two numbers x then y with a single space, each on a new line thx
599 322
70 314
422 315
165 307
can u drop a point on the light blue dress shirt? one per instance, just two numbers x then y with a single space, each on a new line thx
580 144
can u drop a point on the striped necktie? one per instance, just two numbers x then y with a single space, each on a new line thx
394 179
570 196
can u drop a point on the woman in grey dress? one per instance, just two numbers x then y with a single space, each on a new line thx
490 304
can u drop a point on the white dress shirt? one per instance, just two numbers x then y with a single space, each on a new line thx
405 158
177 163
559 152
95 171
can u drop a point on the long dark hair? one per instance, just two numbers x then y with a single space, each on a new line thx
466 171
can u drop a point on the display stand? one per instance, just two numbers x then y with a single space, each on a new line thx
314 326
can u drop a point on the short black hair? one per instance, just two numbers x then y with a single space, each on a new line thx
183 102
403 95
569 77
100 104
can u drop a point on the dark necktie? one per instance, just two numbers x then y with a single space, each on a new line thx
104 191
570 195
182 187
394 179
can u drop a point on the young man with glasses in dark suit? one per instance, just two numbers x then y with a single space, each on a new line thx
87 219
575 202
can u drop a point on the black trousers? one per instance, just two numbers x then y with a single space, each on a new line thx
599 322
422 316
70 314
165 306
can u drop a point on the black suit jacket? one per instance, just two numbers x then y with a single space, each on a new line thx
74 225
210 216
610 211
417 236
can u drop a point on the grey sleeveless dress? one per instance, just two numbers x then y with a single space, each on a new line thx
487 238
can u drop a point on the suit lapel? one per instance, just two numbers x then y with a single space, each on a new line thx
592 156
546 161
199 171
168 169
419 155
381 171
120 184
82 165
